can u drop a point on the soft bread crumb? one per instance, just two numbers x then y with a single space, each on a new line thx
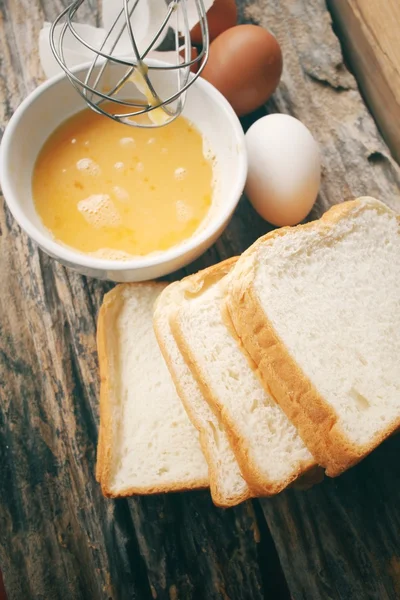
151 444
318 308
227 485
267 446
334 300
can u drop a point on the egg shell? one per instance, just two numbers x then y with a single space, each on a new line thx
221 16
245 65
284 171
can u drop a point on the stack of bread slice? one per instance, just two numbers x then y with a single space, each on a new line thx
261 371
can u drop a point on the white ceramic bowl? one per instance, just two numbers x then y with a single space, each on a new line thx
56 100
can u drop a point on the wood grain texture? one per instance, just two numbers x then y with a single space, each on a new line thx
59 538
2 590
370 35
341 539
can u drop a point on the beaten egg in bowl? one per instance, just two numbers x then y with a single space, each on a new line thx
48 107
115 191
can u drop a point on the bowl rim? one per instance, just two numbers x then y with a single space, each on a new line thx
75 257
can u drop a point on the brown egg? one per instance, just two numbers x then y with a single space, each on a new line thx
195 67
221 16
245 65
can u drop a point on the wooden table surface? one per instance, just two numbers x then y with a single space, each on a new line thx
370 34
59 538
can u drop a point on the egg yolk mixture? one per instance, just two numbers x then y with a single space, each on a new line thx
115 191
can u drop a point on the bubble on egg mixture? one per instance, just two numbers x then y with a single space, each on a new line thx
140 167
180 173
151 140
99 211
183 211
121 193
88 166
119 166
127 141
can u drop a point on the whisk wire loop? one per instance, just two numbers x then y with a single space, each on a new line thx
108 100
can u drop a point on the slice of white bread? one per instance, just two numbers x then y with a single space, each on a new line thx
318 308
227 485
147 443
269 451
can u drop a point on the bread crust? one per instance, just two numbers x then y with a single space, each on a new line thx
282 377
109 311
309 472
219 499
196 284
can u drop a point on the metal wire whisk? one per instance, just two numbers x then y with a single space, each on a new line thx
111 102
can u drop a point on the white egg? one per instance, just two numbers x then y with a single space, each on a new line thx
284 169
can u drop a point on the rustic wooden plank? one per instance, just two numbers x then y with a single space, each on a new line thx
369 31
2 589
58 536
342 539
